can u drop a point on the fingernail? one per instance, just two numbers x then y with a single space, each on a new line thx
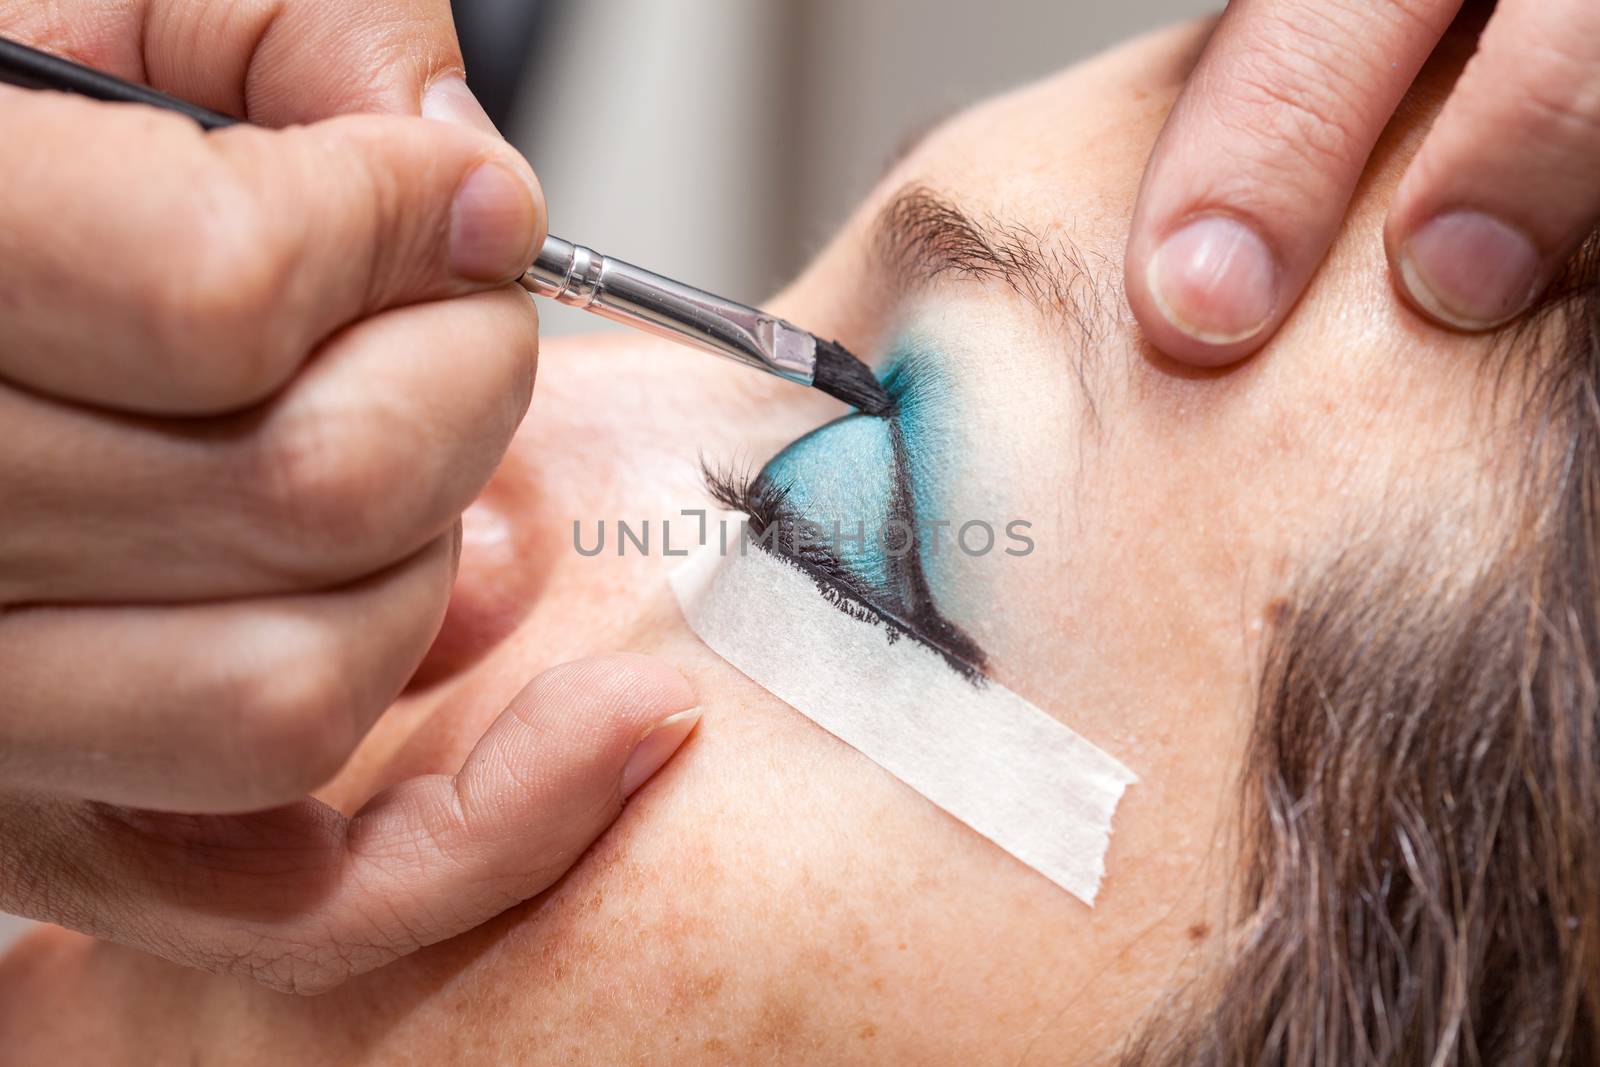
449 100
1470 270
492 225
1215 280
652 753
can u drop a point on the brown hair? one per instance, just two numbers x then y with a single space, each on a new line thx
1421 794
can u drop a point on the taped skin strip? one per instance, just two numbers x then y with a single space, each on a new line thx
983 754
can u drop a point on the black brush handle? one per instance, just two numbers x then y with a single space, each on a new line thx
33 69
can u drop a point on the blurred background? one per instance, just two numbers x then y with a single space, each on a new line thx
722 141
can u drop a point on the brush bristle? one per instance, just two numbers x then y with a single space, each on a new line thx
844 377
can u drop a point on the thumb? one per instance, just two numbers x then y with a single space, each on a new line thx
303 898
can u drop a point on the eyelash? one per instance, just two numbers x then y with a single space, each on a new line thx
766 506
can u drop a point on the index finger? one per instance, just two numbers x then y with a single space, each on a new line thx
1257 163
151 268
275 62
1503 189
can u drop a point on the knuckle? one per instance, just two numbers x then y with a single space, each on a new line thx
292 718
216 306
1305 88
326 954
1309 121
332 492
1527 89
40 872
311 981
297 966
305 970
1563 108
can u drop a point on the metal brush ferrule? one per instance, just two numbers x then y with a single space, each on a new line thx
583 278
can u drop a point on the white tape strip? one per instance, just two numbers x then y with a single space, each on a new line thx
985 755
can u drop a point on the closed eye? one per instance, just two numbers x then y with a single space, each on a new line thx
838 503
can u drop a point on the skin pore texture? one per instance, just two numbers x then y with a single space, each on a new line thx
772 896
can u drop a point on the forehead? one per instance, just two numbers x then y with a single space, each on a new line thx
1068 151
1354 418
1063 159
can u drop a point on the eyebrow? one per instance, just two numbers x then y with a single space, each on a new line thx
922 236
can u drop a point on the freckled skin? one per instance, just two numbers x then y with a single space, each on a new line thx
772 897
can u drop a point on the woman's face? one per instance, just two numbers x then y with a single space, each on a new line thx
773 895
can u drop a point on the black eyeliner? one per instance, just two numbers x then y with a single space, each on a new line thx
936 631
765 503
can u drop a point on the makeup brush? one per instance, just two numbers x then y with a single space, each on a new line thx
572 274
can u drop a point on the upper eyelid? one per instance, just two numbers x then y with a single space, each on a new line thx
838 578
960 652
922 236
737 492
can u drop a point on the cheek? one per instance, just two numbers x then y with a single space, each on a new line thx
1002 574
504 565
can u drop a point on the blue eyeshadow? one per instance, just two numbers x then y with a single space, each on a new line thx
864 487
841 477
924 414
